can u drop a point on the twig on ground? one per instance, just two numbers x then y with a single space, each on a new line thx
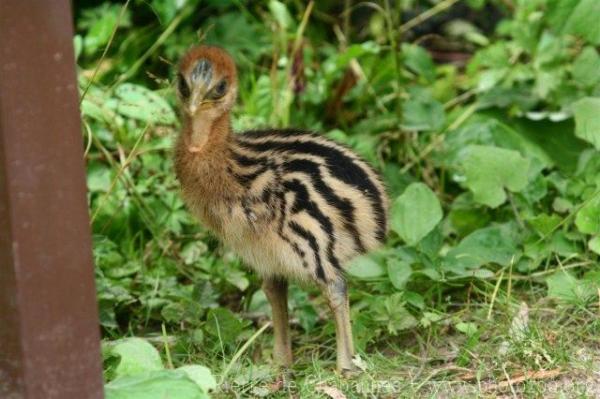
520 378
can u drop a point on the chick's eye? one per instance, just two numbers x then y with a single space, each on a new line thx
219 90
182 86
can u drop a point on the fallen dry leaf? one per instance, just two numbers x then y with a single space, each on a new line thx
330 391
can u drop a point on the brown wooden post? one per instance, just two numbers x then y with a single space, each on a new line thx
49 334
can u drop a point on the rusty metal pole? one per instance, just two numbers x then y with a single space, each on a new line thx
49 332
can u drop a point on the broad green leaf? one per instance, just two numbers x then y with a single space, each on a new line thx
136 356
127 269
432 243
420 114
430 318
138 102
552 142
223 323
155 385
192 251
587 119
558 12
415 213
239 279
495 129
544 223
594 244
399 272
365 267
466 216
466 221
489 170
354 51
583 21
390 311
563 286
201 375
586 67
418 60
495 244
490 78
588 217
99 177
414 299
466 328
101 30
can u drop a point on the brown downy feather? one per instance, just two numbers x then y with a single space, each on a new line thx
290 203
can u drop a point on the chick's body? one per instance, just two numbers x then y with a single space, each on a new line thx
291 203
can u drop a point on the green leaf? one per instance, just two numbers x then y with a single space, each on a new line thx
583 21
415 213
586 67
594 244
223 323
587 119
565 287
136 356
543 223
201 375
365 267
466 328
418 60
489 170
155 385
399 272
420 114
192 252
552 143
495 244
588 217
390 311
558 12
101 30
98 177
138 102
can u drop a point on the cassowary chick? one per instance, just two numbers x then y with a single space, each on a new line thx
290 203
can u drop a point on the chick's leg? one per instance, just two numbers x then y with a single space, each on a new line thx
337 297
276 292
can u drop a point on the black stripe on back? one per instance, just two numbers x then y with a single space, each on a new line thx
280 195
246 161
311 169
247 178
340 165
302 202
312 242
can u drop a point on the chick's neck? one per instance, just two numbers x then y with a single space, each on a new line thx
206 134
202 159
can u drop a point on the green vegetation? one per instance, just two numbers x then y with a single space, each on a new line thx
489 283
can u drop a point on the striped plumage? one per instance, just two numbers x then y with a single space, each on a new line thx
292 204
